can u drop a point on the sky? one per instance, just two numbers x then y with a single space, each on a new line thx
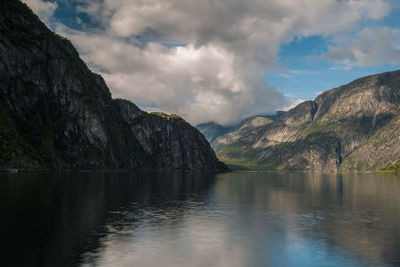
225 60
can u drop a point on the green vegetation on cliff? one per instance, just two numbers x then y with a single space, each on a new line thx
393 168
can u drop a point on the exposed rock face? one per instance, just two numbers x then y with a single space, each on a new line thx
55 113
381 150
352 127
170 141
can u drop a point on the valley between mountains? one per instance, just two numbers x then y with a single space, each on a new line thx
56 114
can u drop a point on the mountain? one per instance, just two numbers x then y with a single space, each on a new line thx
212 131
220 136
236 132
355 127
57 114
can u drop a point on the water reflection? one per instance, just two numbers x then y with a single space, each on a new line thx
313 219
187 219
51 219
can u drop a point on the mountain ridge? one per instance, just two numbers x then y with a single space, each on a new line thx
321 134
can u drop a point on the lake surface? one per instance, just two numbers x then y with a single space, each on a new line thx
189 219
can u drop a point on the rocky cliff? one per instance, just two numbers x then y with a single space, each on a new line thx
55 113
352 127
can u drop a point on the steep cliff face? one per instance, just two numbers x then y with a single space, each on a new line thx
379 151
56 113
170 141
342 128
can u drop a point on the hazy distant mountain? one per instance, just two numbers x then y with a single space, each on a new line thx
212 131
219 136
352 127
55 113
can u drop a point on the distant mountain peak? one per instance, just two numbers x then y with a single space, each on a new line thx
219 135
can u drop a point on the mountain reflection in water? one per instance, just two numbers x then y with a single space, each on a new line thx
199 219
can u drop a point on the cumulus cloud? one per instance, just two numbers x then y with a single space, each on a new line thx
43 9
225 48
369 47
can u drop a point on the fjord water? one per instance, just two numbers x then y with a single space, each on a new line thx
194 219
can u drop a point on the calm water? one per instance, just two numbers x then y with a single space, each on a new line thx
234 219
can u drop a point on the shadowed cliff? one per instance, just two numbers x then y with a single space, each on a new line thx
57 114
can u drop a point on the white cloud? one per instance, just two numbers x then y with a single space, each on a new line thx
317 93
229 46
369 47
43 9
292 103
